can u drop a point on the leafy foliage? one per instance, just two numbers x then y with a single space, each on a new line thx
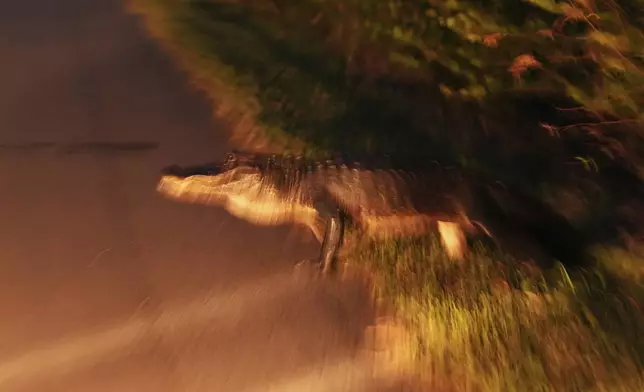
589 51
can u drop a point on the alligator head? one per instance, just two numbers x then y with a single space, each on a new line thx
210 183
239 183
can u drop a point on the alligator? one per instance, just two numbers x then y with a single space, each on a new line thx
383 198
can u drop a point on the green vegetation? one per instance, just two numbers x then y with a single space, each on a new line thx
494 324
544 95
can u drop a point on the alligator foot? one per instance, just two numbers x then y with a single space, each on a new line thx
310 268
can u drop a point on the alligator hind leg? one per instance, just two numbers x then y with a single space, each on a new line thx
453 239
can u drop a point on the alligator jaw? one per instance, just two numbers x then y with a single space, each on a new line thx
244 198
195 189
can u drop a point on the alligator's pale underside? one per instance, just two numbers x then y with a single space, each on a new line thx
383 201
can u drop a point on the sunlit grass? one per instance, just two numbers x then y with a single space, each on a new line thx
494 324
626 264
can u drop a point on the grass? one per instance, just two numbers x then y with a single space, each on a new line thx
491 323
494 324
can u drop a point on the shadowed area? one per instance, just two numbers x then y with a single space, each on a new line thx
84 147
27 146
108 147
104 284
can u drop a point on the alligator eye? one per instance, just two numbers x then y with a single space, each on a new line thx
231 157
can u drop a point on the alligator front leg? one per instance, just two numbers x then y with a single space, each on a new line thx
330 214
328 259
